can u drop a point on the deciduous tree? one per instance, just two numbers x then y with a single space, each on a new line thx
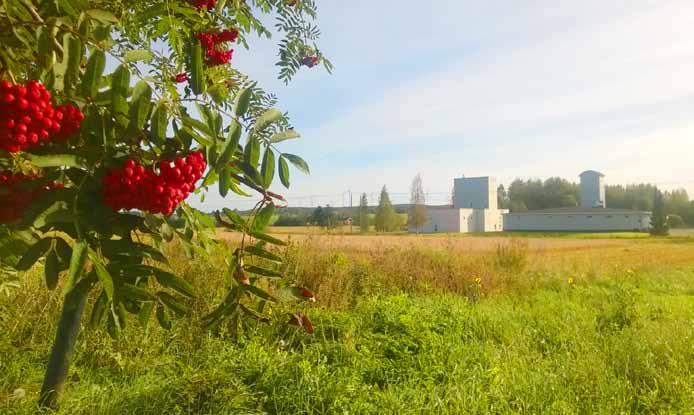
417 215
364 214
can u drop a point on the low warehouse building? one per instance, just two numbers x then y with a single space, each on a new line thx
578 220
591 216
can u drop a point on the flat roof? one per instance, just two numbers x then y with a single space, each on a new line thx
582 211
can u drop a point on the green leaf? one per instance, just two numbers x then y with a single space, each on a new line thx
72 72
267 238
260 252
141 106
224 179
284 135
259 293
103 274
251 173
197 74
159 124
67 7
298 162
267 170
119 315
253 269
92 74
231 144
77 262
134 292
100 307
243 100
268 117
36 251
191 134
52 270
263 218
112 326
46 54
137 55
199 126
177 284
120 82
163 319
284 171
173 304
251 153
234 217
145 313
57 160
41 215
113 247
102 16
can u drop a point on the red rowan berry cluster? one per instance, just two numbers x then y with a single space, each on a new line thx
135 187
216 54
200 4
17 191
310 61
180 77
28 118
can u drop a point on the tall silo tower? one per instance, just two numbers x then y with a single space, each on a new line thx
592 189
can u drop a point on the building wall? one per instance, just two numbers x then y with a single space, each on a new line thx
441 220
463 220
475 193
493 220
640 221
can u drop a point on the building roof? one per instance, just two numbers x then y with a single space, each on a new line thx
582 211
591 172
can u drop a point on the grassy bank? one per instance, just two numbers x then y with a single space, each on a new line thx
409 329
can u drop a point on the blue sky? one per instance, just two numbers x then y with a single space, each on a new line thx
502 88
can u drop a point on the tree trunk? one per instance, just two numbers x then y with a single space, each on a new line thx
64 344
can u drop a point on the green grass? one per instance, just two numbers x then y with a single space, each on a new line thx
618 344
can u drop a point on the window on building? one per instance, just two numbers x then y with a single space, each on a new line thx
589 217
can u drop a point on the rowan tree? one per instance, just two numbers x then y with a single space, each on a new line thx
111 115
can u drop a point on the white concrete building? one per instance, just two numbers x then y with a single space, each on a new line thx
474 208
591 216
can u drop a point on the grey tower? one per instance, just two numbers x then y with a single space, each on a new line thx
475 193
592 189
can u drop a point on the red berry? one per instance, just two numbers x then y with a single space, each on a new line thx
181 77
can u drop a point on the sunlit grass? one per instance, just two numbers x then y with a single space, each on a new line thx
403 324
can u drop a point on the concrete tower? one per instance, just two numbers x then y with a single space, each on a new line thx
475 193
592 189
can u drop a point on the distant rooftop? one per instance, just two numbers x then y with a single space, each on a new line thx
581 210
591 172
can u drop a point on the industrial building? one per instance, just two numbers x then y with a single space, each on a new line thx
592 216
474 208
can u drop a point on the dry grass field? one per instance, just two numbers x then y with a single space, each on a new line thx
404 324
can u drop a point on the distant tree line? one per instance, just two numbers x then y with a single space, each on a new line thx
555 192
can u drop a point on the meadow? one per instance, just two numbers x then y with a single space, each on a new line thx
406 324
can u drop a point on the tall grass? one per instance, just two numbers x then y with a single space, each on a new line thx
399 328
